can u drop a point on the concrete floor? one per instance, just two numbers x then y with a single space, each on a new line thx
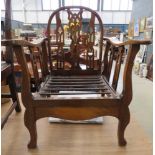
141 107
142 103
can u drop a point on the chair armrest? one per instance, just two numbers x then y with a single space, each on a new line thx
39 43
114 42
17 46
19 42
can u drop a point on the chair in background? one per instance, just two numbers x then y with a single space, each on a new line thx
7 72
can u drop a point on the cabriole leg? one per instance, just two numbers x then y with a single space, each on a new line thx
30 123
123 122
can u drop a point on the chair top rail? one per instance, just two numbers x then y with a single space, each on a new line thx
73 7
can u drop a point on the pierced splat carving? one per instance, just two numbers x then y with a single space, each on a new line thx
59 57
59 29
90 57
79 57
75 25
91 29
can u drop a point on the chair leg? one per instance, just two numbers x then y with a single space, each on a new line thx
12 86
30 123
123 122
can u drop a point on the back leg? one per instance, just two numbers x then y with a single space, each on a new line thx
13 91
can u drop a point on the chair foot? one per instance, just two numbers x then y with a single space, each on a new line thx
18 107
31 145
30 124
13 91
122 142
123 122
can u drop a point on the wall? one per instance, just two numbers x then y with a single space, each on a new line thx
143 8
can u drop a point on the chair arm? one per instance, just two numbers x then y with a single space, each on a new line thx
17 46
19 42
134 46
39 43
129 42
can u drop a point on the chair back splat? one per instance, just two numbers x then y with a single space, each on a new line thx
75 77
79 59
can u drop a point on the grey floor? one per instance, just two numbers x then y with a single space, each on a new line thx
141 107
142 103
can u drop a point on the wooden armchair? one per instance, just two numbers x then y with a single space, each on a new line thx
87 74
7 69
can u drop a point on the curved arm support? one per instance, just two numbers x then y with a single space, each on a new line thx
127 76
134 46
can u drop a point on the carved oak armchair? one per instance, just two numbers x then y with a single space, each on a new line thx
76 71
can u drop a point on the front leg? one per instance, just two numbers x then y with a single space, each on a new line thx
123 122
30 123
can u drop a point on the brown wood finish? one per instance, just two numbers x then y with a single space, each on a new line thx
117 66
7 68
59 82
9 53
7 75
